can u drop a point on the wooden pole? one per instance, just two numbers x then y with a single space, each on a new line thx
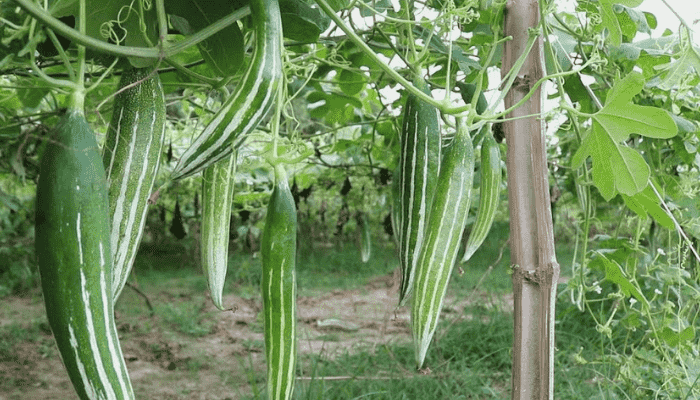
535 269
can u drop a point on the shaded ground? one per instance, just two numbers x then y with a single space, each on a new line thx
206 354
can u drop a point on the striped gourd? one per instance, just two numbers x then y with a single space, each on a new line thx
217 196
365 239
446 222
73 249
131 156
278 251
396 204
419 164
252 101
489 193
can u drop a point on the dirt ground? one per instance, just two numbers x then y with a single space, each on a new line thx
164 364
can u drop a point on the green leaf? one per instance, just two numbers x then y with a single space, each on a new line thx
223 51
684 125
351 82
116 21
639 18
301 22
646 203
379 5
62 8
9 131
122 19
563 44
577 93
615 274
625 52
624 90
627 27
465 63
9 101
31 93
658 46
337 5
631 321
620 118
338 108
648 63
609 19
651 20
675 72
674 337
617 168
631 21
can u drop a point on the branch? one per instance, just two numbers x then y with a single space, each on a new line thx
152 53
142 294
371 54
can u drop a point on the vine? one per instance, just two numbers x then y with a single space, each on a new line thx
153 53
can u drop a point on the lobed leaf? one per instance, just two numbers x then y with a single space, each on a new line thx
617 168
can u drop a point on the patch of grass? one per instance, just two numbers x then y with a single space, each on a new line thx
187 317
470 358
174 281
329 337
491 333
13 334
459 368
256 346
496 277
9 337
244 273
578 342
319 270
341 268
466 276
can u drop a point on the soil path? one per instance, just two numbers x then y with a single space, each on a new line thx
225 363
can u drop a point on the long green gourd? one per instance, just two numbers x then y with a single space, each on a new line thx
438 252
278 250
365 239
396 205
489 193
217 195
75 263
490 176
419 165
131 156
252 101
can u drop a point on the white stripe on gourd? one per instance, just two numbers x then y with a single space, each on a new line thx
250 104
446 222
278 250
131 155
489 192
419 166
217 195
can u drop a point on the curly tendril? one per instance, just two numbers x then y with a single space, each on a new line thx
107 29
